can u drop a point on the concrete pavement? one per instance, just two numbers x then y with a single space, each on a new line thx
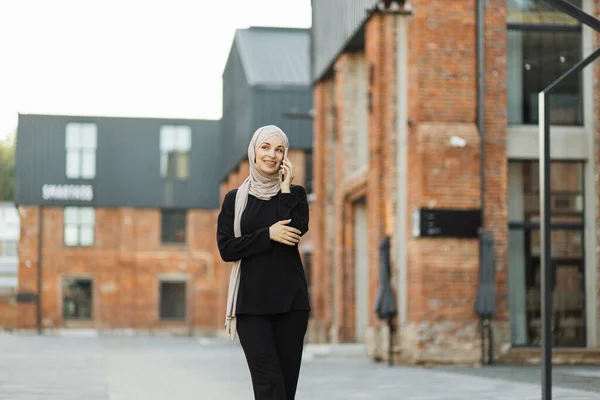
162 368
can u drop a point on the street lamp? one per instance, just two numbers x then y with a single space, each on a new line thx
546 265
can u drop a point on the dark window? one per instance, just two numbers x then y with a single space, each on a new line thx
568 253
172 301
308 171
77 299
173 226
542 44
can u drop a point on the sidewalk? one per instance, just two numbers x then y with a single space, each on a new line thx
167 368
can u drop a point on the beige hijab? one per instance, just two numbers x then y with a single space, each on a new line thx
261 186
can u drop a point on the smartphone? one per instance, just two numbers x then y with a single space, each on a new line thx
284 157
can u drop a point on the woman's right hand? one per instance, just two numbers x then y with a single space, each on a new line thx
282 233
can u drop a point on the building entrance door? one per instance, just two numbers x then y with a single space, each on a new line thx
361 272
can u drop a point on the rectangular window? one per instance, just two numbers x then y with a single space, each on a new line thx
567 253
77 299
542 44
79 226
172 301
81 143
173 226
8 248
175 145
566 192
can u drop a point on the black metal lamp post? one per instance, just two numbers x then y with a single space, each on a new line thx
546 265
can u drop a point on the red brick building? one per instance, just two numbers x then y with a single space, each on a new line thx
113 214
396 130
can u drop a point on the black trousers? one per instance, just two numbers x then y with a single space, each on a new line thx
273 347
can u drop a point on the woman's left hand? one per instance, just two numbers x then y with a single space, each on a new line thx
288 175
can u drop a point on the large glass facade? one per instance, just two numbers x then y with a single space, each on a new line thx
568 253
542 44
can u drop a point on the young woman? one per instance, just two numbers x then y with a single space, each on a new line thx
259 227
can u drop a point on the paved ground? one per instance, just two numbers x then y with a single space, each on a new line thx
138 368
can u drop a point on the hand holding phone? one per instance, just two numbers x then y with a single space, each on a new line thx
287 174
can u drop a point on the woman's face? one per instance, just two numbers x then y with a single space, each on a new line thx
269 155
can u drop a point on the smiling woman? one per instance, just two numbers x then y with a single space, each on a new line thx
259 228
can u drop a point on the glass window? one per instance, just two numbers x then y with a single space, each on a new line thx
567 283
567 253
538 12
88 164
173 226
566 192
79 226
542 44
80 144
182 166
173 301
73 163
175 145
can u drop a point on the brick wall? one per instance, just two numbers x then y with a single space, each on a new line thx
321 293
126 264
442 273
8 311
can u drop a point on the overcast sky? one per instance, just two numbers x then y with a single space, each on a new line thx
124 57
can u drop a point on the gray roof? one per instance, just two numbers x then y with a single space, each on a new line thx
274 56
337 26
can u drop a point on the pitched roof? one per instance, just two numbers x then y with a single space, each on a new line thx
274 56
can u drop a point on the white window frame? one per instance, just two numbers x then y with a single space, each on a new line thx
79 226
80 145
175 140
9 248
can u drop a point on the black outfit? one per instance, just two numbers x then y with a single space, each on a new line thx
272 307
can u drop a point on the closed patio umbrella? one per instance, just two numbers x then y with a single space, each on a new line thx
385 305
485 303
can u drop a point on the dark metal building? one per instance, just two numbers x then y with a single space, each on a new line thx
338 25
266 81
117 162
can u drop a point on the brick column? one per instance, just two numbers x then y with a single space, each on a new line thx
442 274
496 166
380 52
342 108
320 295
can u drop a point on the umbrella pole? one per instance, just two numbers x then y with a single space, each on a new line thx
490 343
391 351
482 334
